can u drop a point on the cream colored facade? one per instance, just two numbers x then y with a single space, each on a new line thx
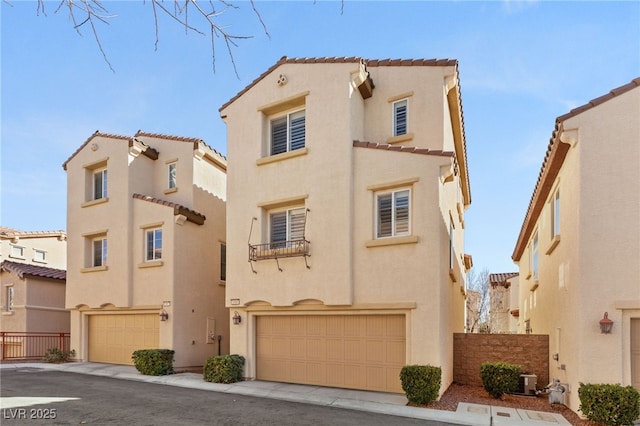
44 248
32 298
146 226
504 296
579 246
359 305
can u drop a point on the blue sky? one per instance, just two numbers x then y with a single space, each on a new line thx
522 64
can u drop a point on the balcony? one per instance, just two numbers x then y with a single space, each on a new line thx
280 250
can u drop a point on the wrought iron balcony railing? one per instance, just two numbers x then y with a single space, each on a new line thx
279 250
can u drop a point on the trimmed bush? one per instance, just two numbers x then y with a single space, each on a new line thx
499 378
224 369
153 362
421 383
56 355
609 404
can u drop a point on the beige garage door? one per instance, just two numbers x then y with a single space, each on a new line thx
635 353
113 338
347 351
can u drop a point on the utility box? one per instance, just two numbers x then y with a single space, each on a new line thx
528 383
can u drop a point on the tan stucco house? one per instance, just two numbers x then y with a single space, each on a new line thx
504 298
579 246
347 189
43 248
146 236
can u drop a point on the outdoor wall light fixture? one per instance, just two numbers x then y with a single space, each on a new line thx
164 315
606 324
237 319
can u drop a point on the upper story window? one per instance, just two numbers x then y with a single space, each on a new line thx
171 173
451 243
400 117
555 214
153 246
286 227
288 133
393 213
99 251
100 184
8 306
39 256
17 251
223 262
534 256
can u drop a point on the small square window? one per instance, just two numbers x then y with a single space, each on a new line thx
286 227
393 213
288 133
39 256
17 251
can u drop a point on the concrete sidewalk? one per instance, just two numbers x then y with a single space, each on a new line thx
375 402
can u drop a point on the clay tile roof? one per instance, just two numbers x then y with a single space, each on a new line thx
502 277
139 134
191 215
553 160
12 233
343 60
22 269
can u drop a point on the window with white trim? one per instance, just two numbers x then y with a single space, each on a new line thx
555 214
39 256
534 256
288 133
400 117
17 251
153 244
286 226
171 173
8 306
100 184
393 213
451 251
99 251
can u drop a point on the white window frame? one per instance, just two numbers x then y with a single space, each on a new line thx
17 251
294 230
394 231
555 214
9 295
42 259
172 181
103 251
395 107
102 174
156 252
290 134
535 256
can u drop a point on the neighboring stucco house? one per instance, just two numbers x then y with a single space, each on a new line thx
579 246
504 295
146 229
44 248
347 188
33 298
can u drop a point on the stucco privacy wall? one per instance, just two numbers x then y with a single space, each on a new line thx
530 351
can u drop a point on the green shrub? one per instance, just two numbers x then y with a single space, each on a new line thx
224 369
421 383
499 378
56 355
153 362
609 404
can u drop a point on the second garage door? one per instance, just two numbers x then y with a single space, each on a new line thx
350 351
113 338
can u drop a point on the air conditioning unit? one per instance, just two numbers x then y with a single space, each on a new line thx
528 384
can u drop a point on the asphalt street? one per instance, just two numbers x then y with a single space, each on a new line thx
77 399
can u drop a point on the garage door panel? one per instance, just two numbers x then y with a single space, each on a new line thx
353 351
113 338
